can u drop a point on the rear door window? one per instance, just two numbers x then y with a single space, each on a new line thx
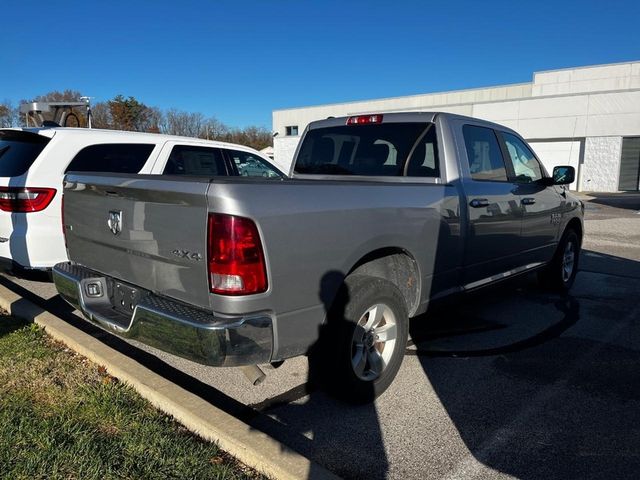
371 150
18 151
112 158
250 165
195 160
484 154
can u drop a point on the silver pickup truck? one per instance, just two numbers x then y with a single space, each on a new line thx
381 215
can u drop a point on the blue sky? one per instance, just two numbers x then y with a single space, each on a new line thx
239 60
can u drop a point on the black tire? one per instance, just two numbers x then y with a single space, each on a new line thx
554 277
344 346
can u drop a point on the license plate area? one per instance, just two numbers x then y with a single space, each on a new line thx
123 297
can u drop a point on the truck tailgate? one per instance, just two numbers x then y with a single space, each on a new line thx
149 230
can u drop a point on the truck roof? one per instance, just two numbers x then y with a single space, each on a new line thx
397 117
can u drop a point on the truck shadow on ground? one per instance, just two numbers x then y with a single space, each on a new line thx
8 325
346 439
561 403
537 386
628 200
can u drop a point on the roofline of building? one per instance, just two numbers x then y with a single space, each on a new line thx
586 67
446 92
403 96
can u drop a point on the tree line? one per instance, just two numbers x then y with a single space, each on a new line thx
127 113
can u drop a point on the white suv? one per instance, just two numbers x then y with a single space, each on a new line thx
33 162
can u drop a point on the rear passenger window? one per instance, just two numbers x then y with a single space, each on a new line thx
112 158
250 165
193 160
483 153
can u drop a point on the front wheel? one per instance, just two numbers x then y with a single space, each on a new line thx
372 331
561 272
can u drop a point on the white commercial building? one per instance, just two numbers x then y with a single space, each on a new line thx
588 117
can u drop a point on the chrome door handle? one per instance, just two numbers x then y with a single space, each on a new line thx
528 201
479 202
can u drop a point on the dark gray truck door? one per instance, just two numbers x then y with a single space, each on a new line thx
541 205
493 206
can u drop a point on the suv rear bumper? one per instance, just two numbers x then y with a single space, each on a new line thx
209 339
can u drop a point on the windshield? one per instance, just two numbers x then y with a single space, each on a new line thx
373 150
18 151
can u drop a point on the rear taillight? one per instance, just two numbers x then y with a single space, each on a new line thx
24 199
364 119
235 256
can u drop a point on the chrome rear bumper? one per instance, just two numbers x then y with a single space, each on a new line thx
210 339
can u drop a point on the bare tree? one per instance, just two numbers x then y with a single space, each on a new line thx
252 136
8 115
101 115
177 122
214 129
58 96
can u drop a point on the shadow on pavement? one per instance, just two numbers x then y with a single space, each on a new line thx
562 403
597 262
629 200
343 437
9 324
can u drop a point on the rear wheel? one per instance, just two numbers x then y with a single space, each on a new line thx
561 272
372 331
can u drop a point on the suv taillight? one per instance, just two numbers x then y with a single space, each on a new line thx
25 199
235 256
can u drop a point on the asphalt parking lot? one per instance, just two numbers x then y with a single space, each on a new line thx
509 382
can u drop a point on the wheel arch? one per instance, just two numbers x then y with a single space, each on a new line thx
575 224
396 265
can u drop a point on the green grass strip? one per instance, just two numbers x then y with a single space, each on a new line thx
62 417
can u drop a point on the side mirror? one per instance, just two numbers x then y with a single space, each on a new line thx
564 175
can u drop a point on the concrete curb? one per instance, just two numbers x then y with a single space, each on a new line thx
252 447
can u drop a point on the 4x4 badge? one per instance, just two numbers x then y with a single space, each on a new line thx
115 221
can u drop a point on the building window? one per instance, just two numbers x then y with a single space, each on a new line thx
292 130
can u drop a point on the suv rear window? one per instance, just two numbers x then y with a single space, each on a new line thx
112 158
18 151
374 150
